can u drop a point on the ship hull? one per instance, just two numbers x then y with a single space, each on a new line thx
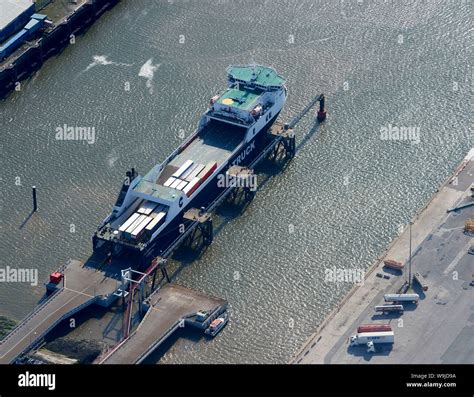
243 157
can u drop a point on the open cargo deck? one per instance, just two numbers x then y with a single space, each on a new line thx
192 175
191 167
215 143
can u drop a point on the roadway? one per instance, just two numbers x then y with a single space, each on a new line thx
440 329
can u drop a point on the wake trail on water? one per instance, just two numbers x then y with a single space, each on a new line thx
147 71
103 61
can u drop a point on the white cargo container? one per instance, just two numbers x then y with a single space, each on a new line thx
157 210
421 280
128 222
188 171
147 207
194 172
134 224
175 184
402 298
192 186
182 169
156 221
122 218
207 171
389 308
374 337
137 232
182 185
169 181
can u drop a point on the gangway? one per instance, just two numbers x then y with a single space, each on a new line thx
81 287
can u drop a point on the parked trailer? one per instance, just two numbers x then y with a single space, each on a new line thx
156 222
138 231
392 264
207 171
194 173
175 184
182 185
128 232
169 181
401 298
128 222
389 308
189 171
192 186
421 280
147 207
182 169
364 328
374 337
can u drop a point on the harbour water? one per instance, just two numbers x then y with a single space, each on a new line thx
138 81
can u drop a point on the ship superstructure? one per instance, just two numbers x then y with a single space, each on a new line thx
149 210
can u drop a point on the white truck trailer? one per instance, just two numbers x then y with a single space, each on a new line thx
402 298
389 308
420 280
371 338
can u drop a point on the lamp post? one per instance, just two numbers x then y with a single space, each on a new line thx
409 260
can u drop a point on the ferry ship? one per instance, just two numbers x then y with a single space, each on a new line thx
148 213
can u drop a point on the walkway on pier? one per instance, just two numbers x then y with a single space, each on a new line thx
82 286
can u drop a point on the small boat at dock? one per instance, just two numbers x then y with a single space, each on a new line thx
216 325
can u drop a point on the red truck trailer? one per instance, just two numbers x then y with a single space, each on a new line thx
373 328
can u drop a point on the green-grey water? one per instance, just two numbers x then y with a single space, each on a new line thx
143 74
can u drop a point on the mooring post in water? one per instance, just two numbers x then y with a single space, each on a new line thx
35 203
322 111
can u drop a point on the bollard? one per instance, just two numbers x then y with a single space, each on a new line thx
35 203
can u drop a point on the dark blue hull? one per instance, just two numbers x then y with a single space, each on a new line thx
211 191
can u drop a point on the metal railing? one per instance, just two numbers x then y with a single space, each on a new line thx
39 337
30 316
